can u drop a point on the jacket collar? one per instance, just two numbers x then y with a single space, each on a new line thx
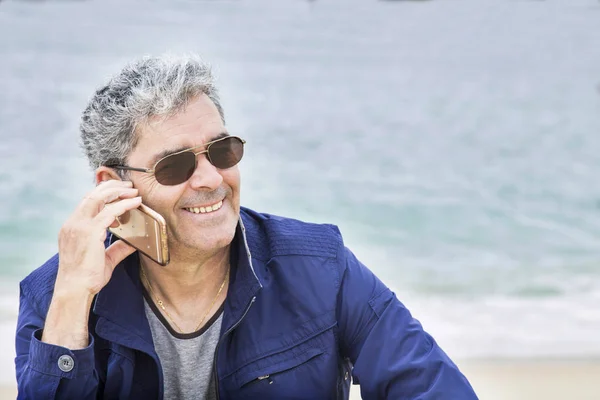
121 301
245 284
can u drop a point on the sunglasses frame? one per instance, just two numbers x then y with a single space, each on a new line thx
191 149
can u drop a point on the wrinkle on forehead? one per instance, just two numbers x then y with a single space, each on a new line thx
198 109
196 123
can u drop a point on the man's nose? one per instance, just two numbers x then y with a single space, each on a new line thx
205 175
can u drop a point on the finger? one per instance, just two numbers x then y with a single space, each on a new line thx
124 194
113 183
95 201
104 189
92 205
111 211
117 252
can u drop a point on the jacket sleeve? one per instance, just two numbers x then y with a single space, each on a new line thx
37 363
393 357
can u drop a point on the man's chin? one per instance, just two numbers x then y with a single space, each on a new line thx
203 240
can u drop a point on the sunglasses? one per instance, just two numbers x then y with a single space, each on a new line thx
178 167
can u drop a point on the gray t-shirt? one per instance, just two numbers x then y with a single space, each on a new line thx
186 359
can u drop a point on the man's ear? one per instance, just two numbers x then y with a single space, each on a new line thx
105 174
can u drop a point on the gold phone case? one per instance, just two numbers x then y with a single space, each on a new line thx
146 230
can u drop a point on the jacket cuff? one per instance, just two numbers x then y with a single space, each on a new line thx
59 361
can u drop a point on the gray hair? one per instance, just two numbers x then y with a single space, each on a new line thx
146 88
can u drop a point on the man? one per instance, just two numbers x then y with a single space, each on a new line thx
251 306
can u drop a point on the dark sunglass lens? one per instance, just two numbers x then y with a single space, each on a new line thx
175 169
226 153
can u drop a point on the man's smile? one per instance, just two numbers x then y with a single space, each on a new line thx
205 209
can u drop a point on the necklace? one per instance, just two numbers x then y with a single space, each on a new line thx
162 305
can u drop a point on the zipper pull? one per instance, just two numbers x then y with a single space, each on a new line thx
260 378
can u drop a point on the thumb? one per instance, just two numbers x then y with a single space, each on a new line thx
117 252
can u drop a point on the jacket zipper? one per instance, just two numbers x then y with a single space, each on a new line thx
215 372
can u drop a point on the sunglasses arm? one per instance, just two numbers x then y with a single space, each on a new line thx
126 168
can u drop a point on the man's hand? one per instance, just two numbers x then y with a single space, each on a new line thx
85 266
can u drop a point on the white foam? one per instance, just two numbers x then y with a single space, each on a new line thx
7 352
9 309
503 327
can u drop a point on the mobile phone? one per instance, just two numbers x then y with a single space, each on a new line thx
146 230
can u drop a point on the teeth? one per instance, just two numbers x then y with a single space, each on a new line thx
204 210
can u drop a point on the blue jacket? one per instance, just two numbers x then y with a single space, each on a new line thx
300 308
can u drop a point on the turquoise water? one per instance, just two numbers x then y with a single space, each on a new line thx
455 143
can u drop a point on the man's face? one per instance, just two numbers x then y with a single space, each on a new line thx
189 232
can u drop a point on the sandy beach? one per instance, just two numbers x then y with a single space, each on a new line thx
534 379
511 380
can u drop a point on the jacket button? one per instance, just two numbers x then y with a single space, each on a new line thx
346 376
66 363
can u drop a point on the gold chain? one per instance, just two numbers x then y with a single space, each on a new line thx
162 305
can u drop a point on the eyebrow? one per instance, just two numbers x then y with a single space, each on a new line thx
168 152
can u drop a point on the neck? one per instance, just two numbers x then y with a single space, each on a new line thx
188 289
182 279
